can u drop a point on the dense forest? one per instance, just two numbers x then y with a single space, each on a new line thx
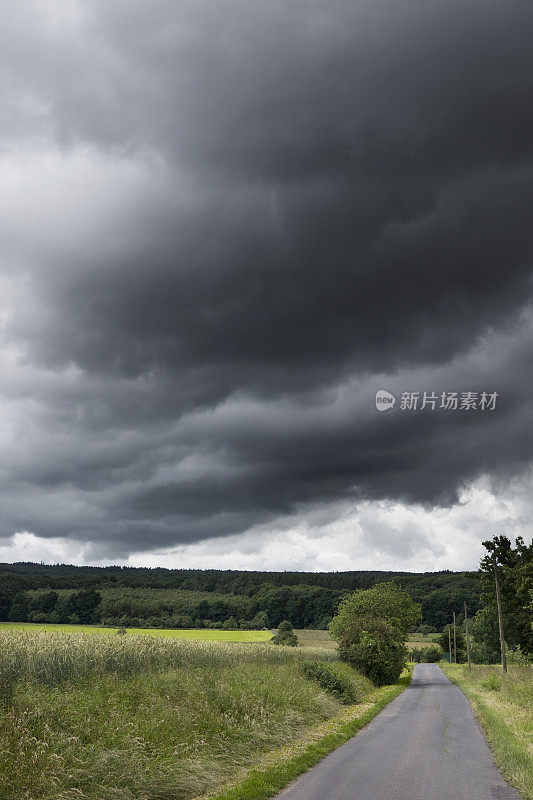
160 597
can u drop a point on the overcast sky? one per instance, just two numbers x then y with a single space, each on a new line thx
224 225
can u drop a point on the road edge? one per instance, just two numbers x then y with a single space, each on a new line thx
264 783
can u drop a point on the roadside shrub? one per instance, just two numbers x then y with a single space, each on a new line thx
481 654
373 647
285 635
431 655
492 682
426 655
517 656
330 680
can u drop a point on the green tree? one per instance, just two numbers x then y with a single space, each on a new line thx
19 608
385 601
515 567
373 647
262 619
87 601
426 629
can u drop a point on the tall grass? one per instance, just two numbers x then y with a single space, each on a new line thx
51 659
135 718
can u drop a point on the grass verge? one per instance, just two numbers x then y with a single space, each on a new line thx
282 767
503 704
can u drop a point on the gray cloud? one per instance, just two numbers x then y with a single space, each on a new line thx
227 226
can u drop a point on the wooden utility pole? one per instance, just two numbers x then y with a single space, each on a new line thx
454 641
450 643
467 639
500 618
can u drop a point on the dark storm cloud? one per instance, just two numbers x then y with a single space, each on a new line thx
296 204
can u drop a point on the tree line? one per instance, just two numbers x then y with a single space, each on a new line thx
191 598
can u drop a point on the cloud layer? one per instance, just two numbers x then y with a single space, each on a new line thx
224 227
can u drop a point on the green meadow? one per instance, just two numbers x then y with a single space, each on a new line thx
201 634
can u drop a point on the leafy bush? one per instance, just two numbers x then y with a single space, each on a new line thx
431 655
480 653
332 681
426 655
373 647
285 635
517 656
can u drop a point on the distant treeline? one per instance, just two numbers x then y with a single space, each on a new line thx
189 598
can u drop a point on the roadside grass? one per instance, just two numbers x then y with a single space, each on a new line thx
145 718
197 634
159 734
503 705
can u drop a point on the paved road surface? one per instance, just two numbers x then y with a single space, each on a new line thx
425 745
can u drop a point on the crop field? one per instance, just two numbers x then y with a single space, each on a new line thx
200 634
143 717
504 706
417 640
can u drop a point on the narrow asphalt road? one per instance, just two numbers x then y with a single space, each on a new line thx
425 745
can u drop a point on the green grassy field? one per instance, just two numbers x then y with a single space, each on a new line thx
151 718
311 638
200 634
504 706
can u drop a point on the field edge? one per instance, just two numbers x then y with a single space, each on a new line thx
264 782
